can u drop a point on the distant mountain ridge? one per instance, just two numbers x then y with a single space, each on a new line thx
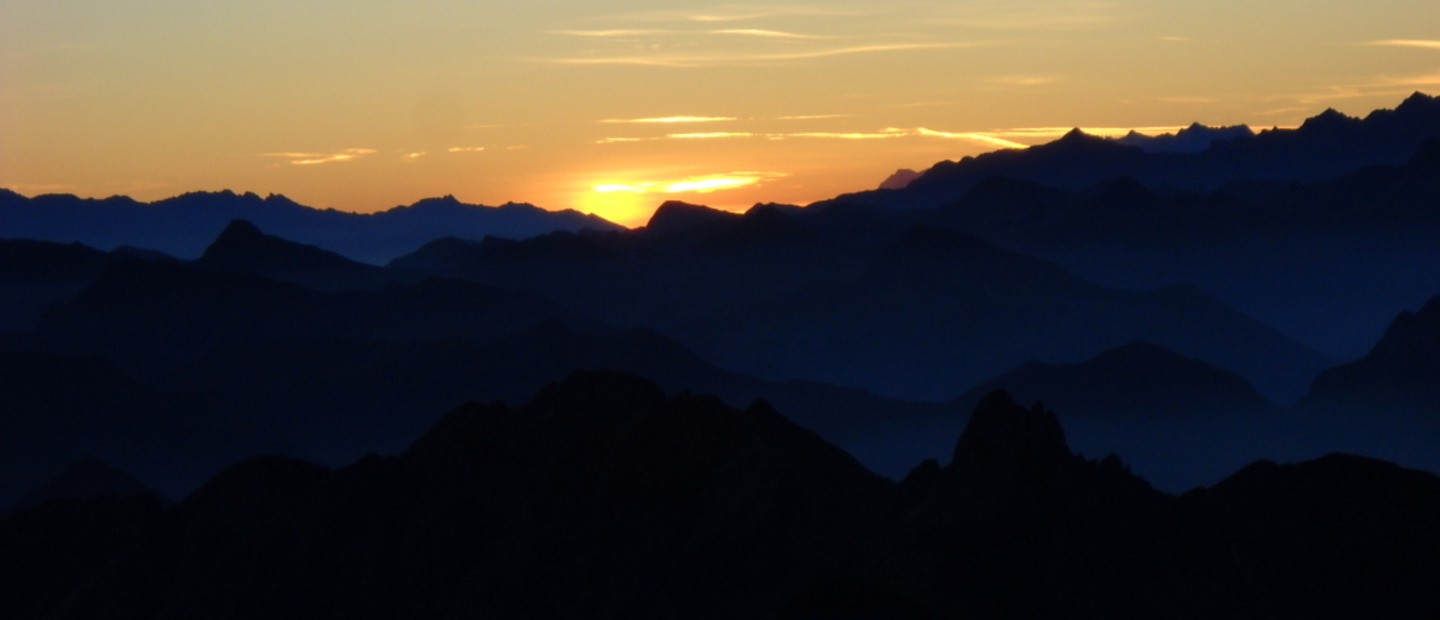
184 225
1324 146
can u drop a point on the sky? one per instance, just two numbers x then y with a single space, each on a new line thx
614 106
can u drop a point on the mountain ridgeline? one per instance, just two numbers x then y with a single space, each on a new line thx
603 497
879 405
184 225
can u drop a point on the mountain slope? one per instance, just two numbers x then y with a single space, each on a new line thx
184 225
602 498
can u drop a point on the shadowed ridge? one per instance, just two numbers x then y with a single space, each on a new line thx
1397 376
241 247
674 216
1137 380
87 478
1009 443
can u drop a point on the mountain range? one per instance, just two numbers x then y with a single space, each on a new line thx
184 225
1237 314
603 497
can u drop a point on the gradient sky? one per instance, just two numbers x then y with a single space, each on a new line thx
614 106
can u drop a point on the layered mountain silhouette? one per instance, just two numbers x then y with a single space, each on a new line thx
1387 401
921 315
86 479
603 497
1134 380
1181 421
185 225
1324 146
1192 139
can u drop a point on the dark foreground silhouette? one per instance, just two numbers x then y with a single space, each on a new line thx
604 498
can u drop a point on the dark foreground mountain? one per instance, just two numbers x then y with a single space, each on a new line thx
184 225
604 498
87 478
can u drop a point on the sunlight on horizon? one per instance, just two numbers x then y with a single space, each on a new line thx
533 103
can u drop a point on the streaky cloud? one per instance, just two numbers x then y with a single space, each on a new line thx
311 159
755 32
1429 44
672 119
609 33
733 59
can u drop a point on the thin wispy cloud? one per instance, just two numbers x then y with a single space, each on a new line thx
709 135
1023 80
671 119
774 34
691 61
700 184
993 139
625 33
1429 44
736 13
311 159
465 149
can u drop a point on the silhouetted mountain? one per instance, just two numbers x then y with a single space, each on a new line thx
1325 146
917 316
60 408
674 216
899 179
87 478
1135 380
242 248
155 319
602 497
184 225
1180 420
36 274
1400 375
1192 139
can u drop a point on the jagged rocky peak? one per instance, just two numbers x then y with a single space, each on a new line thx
1007 441
1329 119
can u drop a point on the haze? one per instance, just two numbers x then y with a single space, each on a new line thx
613 107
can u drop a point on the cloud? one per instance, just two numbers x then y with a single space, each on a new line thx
465 149
709 135
310 159
1407 43
609 33
888 133
1023 80
672 119
415 156
700 184
685 61
737 13
775 34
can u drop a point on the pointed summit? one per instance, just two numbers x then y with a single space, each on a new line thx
675 216
1005 442
242 247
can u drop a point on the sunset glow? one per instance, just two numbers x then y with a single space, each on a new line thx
365 105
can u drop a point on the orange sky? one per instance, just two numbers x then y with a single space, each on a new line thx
613 107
